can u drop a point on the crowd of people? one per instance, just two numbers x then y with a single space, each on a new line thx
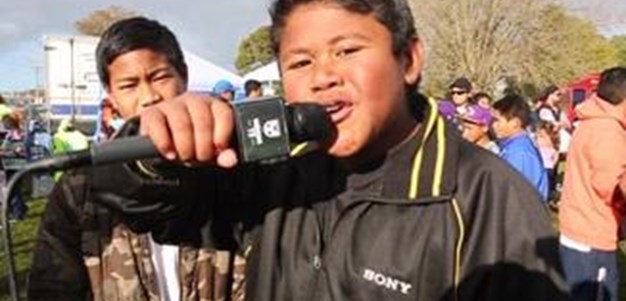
410 198
531 135
534 137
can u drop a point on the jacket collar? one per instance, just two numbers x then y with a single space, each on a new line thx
431 156
597 108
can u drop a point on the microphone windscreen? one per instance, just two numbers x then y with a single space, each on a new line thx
308 122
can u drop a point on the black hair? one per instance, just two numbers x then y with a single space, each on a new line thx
395 15
480 95
547 92
612 86
252 85
514 106
138 33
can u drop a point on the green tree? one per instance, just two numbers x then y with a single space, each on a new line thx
566 47
254 50
619 42
492 41
98 21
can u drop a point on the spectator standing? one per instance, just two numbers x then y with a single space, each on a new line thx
254 88
547 141
67 138
224 90
14 156
5 110
549 109
84 251
511 118
460 98
476 124
482 99
461 93
591 206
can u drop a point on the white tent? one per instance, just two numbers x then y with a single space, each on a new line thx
204 74
267 73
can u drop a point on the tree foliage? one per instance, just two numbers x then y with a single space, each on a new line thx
619 42
254 50
98 21
491 41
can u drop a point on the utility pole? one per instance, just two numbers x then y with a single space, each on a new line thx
72 81
38 86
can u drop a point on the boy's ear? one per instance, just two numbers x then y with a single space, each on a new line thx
414 61
517 122
111 97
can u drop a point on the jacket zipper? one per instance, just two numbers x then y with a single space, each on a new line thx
319 259
317 262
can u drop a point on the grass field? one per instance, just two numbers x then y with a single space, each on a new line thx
24 235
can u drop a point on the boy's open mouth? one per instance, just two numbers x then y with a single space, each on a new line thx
339 111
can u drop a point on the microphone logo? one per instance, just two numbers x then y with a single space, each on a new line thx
262 130
270 129
254 132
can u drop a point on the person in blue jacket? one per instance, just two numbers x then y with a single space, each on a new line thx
511 117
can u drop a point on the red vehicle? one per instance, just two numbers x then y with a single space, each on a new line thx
579 90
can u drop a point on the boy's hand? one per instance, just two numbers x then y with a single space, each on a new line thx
192 128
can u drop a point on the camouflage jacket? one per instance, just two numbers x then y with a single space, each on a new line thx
84 252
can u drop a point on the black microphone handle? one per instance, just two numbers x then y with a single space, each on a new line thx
305 122
122 150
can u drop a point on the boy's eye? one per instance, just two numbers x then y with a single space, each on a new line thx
126 87
298 64
347 51
163 76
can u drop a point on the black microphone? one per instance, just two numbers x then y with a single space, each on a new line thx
265 129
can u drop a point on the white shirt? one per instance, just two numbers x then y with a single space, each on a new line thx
165 261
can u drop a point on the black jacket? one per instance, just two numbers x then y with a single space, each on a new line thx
436 219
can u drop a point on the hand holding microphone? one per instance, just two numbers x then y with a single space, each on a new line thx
196 128
193 128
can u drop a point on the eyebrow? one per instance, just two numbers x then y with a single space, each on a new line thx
356 35
333 41
150 74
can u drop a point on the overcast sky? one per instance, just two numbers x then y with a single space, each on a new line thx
211 29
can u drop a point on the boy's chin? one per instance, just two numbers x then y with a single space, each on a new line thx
341 150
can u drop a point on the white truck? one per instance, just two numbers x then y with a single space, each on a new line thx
73 89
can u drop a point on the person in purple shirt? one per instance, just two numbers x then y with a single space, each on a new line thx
511 117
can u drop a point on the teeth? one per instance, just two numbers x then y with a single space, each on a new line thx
334 108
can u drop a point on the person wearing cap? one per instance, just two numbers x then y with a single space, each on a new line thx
459 100
224 90
475 124
460 92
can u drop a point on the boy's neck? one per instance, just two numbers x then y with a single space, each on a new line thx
484 141
395 136
515 134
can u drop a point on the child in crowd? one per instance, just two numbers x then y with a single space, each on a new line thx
482 99
511 117
476 124
547 142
